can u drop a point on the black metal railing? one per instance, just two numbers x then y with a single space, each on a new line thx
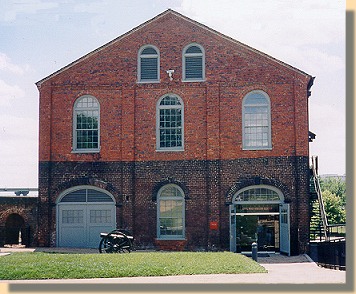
330 254
324 220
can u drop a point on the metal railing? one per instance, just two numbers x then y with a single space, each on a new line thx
320 198
330 254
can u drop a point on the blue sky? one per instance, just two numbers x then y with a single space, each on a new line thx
38 37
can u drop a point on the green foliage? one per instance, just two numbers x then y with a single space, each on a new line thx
334 208
336 186
37 265
334 198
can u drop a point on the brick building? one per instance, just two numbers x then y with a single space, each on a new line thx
184 136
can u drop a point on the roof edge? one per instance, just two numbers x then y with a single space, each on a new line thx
40 82
241 44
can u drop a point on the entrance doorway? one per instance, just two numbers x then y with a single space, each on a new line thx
258 214
262 229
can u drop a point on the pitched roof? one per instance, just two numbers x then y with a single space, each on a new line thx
166 12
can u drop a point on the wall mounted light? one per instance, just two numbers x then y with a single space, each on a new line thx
170 74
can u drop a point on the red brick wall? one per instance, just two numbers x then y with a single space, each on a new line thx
212 129
213 115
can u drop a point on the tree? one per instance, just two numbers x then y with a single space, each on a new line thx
336 186
334 198
334 208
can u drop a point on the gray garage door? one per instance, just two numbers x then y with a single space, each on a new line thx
82 215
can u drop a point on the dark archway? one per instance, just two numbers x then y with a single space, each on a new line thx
14 223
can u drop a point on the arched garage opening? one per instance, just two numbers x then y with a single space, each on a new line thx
82 214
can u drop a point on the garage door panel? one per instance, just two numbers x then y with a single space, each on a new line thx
94 234
100 220
72 237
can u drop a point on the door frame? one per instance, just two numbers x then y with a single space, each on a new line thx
284 237
284 228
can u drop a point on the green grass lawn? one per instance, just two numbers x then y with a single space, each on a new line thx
26 266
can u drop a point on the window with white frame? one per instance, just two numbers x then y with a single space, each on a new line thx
170 123
170 212
148 64
256 119
193 63
86 122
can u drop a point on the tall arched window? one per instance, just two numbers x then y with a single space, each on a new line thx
170 129
170 212
193 63
86 124
148 64
256 119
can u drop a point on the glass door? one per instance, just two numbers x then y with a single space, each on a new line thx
246 232
262 229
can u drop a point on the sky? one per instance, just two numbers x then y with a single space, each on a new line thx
38 37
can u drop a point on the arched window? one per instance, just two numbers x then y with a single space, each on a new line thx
148 64
170 123
256 119
193 63
86 124
170 212
258 194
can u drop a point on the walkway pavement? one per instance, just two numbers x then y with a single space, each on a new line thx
281 270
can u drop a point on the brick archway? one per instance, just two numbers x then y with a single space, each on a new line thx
14 224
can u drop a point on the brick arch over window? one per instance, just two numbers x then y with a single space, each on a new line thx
256 180
165 182
24 213
87 181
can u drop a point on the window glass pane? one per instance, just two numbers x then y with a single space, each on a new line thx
100 216
171 217
256 99
72 216
258 194
170 100
256 121
170 124
87 123
171 206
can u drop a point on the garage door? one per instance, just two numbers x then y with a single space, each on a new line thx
82 215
